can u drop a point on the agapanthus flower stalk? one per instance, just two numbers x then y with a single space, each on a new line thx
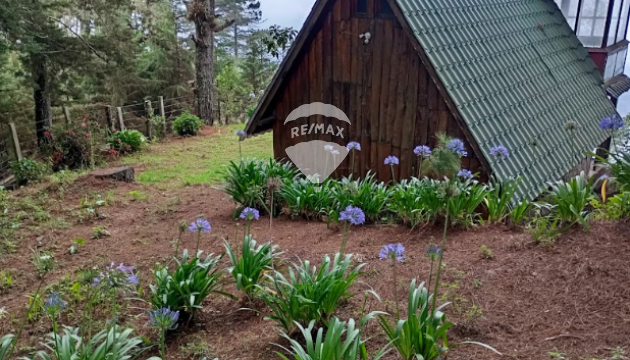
248 214
199 226
353 215
163 319
353 146
391 161
394 253
422 152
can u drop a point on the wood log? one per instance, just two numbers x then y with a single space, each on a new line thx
124 173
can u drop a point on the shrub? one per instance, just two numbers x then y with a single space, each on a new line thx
248 269
308 200
247 182
309 294
187 124
415 201
423 335
568 200
191 283
70 345
70 147
445 159
28 170
367 193
126 141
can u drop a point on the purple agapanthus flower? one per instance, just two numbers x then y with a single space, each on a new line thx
250 214
164 318
392 160
133 279
611 123
457 146
124 268
393 252
54 304
422 151
200 225
241 134
433 251
353 145
352 214
499 152
465 174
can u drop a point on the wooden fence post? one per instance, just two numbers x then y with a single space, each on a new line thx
16 141
121 122
149 111
162 112
66 114
110 117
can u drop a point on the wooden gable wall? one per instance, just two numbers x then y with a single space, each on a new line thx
382 86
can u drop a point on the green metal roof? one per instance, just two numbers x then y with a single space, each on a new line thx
517 73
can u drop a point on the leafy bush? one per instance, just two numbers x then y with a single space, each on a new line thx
305 199
28 170
187 124
247 182
341 342
309 294
112 344
248 269
191 283
415 201
126 141
568 200
71 147
498 199
462 206
423 335
368 194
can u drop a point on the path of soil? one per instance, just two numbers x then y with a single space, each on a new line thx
573 296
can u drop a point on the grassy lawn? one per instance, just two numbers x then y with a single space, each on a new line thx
197 160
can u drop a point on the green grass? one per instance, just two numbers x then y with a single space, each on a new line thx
198 160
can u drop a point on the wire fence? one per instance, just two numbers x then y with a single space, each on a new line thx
31 134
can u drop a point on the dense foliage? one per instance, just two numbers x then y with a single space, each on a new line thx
187 124
29 170
126 141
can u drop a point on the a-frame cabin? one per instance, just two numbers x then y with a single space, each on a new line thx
490 72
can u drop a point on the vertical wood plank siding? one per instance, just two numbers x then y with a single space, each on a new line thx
382 86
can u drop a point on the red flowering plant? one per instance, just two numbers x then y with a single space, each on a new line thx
74 145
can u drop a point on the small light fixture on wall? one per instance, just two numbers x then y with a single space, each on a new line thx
366 37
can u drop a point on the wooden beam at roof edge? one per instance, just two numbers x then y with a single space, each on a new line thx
433 74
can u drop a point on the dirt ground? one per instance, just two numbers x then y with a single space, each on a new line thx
572 297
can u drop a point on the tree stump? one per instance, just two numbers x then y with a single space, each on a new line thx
124 173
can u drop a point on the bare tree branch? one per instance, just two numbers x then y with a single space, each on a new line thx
225 25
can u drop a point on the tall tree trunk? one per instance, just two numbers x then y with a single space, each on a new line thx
41 96
236 40
204 18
